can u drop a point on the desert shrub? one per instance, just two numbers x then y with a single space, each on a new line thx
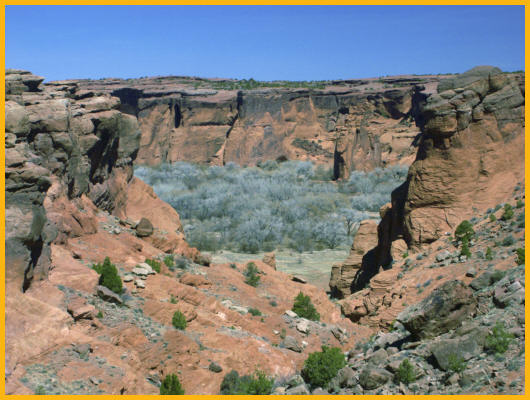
171 385
456 363
169 260
273 303
322 366
181 262
283 333
405 372
493 218
508 241
489 254
464 251
508 212
289 204
499 339
519 204
254 311
179 320
251 275
304 308
108 276
153 264
520 256
256 384
464 231
40 390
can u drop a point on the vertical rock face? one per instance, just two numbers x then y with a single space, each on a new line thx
64 153
470 156
346 124
471 153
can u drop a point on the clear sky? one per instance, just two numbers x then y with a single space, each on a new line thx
262 42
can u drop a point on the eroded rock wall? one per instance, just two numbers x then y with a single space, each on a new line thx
69 153
470 157
347 125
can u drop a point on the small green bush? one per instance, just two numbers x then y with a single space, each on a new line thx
519 204
405 372
257 384
520 256
173 300
322 366
99 314
464 251
169 261
508 212
251 275
153 264
493 218
464 231
489 254
456 363
283 333
254 311
109 276
179 320
405 254
508 241
171 385
40 390
304 308
273 303
499 340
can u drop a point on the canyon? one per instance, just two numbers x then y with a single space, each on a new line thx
72 200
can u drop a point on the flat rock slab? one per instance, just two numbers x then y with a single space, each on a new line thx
108 295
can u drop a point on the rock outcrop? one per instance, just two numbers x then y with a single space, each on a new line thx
346 125
69 153
470 157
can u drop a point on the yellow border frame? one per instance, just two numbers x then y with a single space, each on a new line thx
232 2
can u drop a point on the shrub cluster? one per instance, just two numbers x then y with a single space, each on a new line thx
179 320
256 384
322 366
109 276
153 264
251 275
405 372
499 339
171 385
304 308
291 204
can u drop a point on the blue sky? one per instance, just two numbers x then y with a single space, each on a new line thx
262 42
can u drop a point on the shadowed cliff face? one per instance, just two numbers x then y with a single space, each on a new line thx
68 154
470 157
349 125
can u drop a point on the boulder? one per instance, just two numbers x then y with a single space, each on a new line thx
464 347
194 280
270 259
372 377
292 344
509 293
298 390
444 309
79 309
144 228
108 295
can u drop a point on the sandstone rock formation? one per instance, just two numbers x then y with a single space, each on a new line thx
470 157
347 125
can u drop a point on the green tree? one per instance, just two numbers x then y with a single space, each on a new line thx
257 384
171 385
405 372
499 339
251 275
304 308
464 231
109 276
464 251
179 320
322 366
508 212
